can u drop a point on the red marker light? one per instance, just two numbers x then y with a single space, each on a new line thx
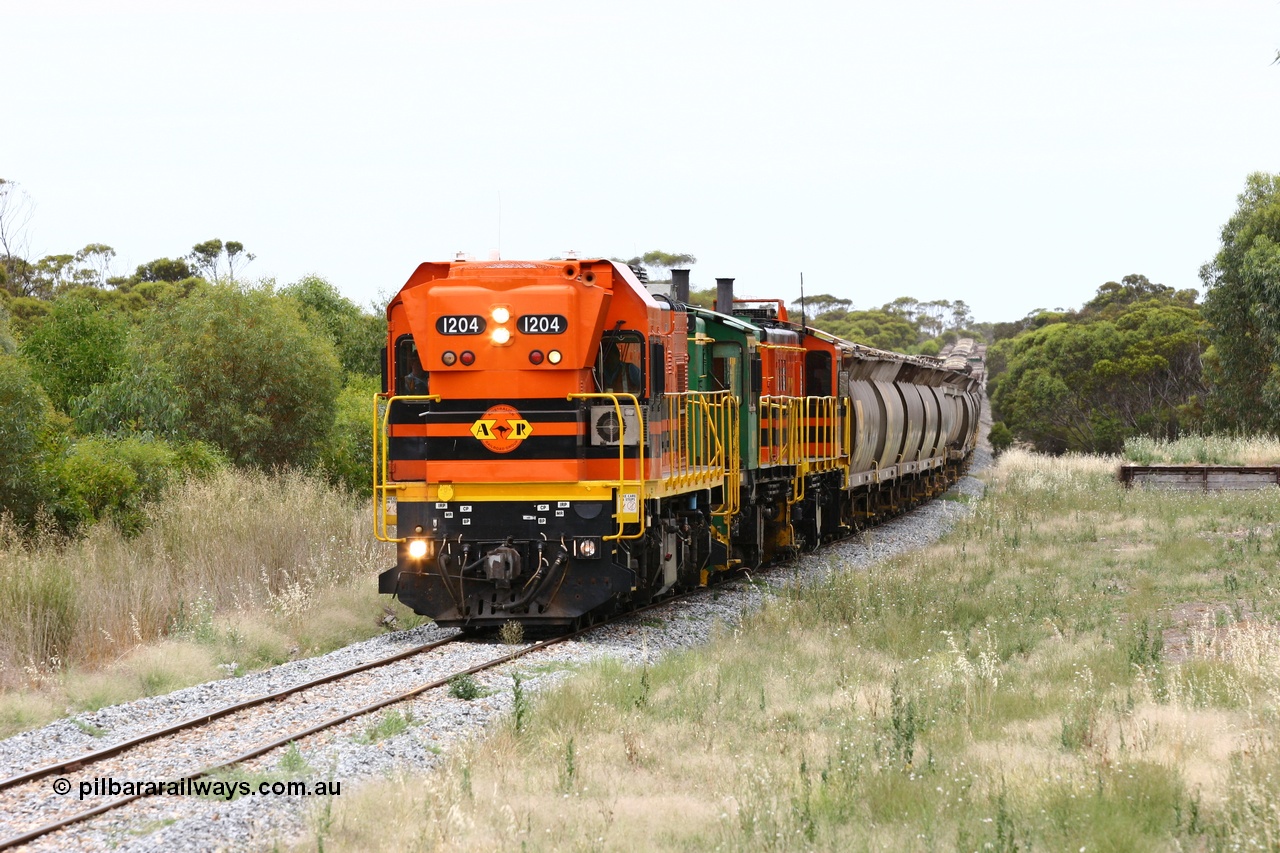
468 358
536 356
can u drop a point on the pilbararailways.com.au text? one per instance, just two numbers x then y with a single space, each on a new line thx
106 786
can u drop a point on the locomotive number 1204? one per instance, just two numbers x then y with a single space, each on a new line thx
460 324
543 324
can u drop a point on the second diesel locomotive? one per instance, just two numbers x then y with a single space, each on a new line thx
554 441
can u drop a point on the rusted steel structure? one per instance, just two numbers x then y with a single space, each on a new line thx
1197 478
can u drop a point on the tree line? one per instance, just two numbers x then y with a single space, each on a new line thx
113 386
1144 359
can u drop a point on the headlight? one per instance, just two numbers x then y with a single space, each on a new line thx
417 548
500 315
501 335
588 548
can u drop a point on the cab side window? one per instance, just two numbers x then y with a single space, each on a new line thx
619 366
411 378
726 368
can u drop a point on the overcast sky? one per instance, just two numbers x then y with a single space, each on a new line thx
1014 155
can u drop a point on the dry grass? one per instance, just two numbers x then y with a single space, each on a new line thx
1205 450
1006 689
235 572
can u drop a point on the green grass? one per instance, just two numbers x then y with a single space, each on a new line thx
88 728
387 725
465 687
1075 665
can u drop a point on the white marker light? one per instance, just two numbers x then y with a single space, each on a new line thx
554 356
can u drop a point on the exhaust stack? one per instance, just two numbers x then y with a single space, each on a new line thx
724 295
680 281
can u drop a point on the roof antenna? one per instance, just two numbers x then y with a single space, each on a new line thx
803 322
499 224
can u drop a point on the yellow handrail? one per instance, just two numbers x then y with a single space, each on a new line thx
847 455
381 487
696 425
826 436
731 442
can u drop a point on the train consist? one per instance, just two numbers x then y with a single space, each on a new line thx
554 441
965 356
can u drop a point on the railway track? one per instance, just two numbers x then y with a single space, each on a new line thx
63 802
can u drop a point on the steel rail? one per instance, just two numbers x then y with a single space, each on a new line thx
262 749
74 764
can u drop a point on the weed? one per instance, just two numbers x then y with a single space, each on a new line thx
632 748
1006 832
519 702
293 762
195 621
642 698
88 728
1145 645
324 821
1077 728
148 827
464 687
386 726
569 771
802 806
902 718
511 633
187 583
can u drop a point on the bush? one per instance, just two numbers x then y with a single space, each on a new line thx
116 478
357 337
74 348
7 346
28 435
257 383
348 452
1001 437
143 399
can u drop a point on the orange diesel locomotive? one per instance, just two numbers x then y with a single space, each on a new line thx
537 440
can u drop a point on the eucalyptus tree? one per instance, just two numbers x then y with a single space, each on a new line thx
1242 305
